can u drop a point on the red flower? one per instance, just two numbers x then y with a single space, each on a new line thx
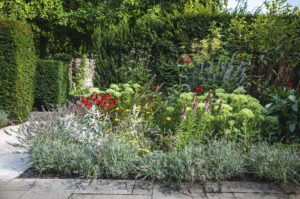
84 100
89 106
290 84
188 60
198 89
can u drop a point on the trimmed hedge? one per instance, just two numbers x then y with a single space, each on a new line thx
51 83
114 45
17 69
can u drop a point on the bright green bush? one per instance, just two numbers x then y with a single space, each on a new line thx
274 162
234 116
3 118
51 83
17 69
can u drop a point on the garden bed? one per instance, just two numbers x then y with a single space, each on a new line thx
125 133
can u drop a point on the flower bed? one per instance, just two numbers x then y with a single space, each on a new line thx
127 131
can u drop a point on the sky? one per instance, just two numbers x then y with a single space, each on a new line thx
252 4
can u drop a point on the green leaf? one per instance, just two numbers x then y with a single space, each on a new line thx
292 127
295 107
292 98
268 105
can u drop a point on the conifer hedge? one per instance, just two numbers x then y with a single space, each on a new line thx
17 69
51 83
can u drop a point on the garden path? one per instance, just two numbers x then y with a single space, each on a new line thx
129 189
13 161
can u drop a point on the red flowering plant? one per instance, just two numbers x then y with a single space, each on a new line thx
105 103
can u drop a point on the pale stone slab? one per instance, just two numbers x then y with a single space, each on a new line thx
290 188
220 196
80 196
13 165
251 187
11 194
170 192
52 189
143 188
212 187
106 187
260 196
8 140
18 185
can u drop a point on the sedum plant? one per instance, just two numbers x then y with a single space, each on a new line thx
233 116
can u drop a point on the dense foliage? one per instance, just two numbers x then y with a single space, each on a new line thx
17 69
65 27
233 116
51 83
3 118
86 150
184 90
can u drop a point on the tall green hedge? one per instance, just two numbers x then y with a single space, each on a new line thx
17 69
51 83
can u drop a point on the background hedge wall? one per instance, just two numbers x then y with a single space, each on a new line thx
160 39
17 69
51 83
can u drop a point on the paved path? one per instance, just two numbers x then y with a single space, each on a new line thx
127 189
13 161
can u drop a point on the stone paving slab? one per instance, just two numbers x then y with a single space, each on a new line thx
261 196
13 165
106 187
174 191
290 188
220 196
18 185
52 189
251 187
11 194
80 196
130 189
143 188
212 187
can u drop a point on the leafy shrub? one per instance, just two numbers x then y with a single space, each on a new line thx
274 163
17 69
285 105
233 116
3 118
64 157
117 158
223 160
178 164
51 83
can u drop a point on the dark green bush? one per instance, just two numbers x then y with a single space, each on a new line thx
51 83
17 69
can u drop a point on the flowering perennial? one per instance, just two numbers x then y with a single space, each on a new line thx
104 102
